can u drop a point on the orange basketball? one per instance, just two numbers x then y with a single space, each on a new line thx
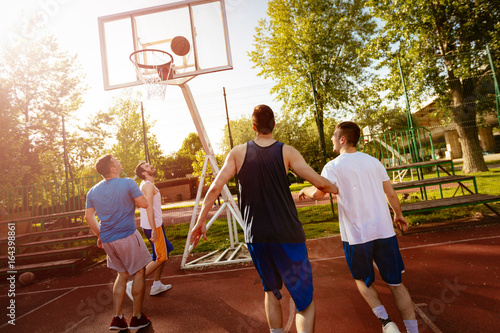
180 45
26 278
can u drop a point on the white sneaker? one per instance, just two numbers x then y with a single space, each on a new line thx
390 327
128 290
161 288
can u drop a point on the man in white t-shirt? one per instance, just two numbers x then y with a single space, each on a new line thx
366 227
152 226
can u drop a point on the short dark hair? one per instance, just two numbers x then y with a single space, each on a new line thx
104 164
139 169
263 119
350 130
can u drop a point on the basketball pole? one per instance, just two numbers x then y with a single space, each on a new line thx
232 209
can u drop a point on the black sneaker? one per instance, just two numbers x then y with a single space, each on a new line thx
118 324
138 323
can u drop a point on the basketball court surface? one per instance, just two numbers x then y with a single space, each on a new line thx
452 275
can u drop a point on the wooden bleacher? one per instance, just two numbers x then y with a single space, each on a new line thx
469 197
65 242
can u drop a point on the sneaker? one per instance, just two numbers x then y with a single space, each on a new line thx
161 288
118 324
138 323
128 290
390 327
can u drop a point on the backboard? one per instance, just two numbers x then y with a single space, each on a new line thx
202 22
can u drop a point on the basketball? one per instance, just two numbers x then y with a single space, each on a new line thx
26 278
180 46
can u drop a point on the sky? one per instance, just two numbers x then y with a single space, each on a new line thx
74 24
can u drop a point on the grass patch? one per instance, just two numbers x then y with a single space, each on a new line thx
318 221
218 237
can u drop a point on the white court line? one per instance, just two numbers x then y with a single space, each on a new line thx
250 268
41 306
76 325
449 242
426 319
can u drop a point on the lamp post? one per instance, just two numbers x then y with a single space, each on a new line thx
321 134
497 91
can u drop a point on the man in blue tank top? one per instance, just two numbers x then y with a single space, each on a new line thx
273 232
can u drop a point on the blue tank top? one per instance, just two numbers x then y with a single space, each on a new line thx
268 209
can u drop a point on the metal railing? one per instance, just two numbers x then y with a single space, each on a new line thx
399 147
45 198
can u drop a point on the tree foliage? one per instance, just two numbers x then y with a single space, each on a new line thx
40 83
180 164
305 38
290 129
441 45
128 131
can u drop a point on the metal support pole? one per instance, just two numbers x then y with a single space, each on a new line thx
321 134
146 149
229 202
66 163
231 143
497 90
415 155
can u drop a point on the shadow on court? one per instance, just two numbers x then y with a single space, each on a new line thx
452 275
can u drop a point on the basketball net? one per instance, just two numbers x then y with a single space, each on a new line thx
154 69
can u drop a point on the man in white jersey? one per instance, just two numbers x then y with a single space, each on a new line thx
152 225
366 225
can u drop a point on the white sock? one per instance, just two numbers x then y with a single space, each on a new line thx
380 312
157 283
411 325
276 330
130 283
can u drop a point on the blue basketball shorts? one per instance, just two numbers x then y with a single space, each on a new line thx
384 252
286 263
162 247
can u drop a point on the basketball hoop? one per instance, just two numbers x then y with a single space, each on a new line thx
154 68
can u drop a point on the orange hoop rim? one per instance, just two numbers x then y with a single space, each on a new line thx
150 66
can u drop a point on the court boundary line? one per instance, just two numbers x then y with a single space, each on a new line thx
426 319
249 268
41 306
422 315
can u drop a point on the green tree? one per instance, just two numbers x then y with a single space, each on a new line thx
305 38
89 142
441 45
291 129
13 164
129 147
241 132
179 164
198 166
42 84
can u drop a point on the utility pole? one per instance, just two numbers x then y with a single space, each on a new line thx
321 134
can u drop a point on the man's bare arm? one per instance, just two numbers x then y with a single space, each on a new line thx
141 201
93 224
228 170
393 200
301 168
311 192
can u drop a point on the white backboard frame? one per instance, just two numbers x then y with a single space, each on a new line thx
118 36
